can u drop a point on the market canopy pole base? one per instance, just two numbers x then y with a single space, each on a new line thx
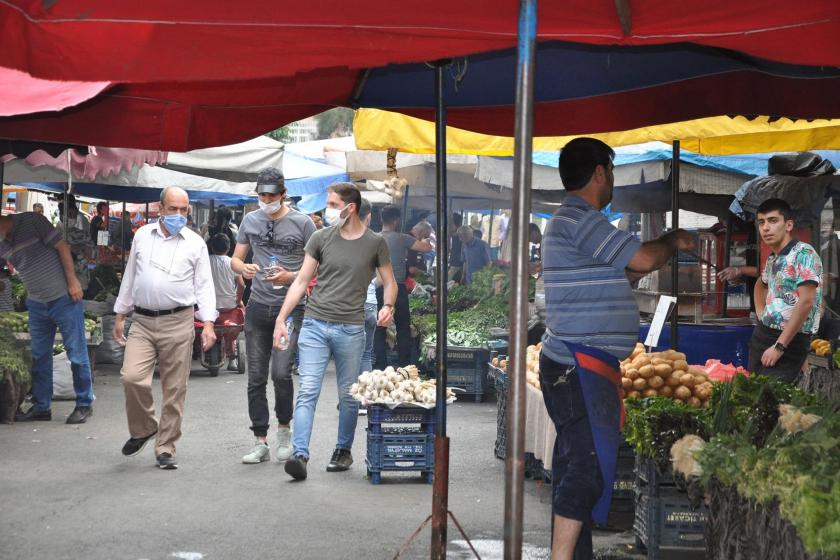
423 526
515 452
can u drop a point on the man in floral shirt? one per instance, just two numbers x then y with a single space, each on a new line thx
787 298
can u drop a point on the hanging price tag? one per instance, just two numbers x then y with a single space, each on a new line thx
663 308
102 238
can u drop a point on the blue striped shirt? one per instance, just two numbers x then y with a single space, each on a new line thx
588 297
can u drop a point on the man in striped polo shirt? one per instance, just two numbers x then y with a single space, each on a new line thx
54 300
589 302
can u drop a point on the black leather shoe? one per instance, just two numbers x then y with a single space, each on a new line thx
33 415
135 445
80 415
296 467
341 460
166 461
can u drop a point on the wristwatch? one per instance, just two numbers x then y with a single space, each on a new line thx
780 347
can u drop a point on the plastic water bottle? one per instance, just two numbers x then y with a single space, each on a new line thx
290 326
273 266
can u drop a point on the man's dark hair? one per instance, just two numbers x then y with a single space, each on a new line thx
101 204
390 214
457 220
364 209
534 228
219 244
778 205
348 193
578 160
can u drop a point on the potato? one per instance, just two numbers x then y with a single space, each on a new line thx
495 362
672 381
659 361
681 364
631 374
687 380
640 384
655 382
677 355
694 402
662 369
646 371
696 370
700 379
666 391
634 395
622 368
650 393
503 364
640 360
626 383
682 393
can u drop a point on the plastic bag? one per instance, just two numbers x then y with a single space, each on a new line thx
62 378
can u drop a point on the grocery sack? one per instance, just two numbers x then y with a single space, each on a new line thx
62 378
110 351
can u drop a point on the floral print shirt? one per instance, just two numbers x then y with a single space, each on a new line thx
796 264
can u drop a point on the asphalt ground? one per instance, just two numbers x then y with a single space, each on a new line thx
66 492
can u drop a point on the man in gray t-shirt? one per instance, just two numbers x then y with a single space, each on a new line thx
54 300
279 232
399 244
345 256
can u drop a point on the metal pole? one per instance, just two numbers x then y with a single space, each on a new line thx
67 192
675 225
440 491
515 452
727 246
147 212
2 196
404 209
122 235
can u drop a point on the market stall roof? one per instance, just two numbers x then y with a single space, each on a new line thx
376 129
226 85
24 94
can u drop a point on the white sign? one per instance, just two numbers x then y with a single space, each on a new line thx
662 310
102 238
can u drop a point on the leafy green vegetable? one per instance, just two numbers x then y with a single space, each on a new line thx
653 424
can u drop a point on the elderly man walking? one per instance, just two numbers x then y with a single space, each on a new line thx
166 276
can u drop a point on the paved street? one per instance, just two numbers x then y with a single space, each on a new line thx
67 492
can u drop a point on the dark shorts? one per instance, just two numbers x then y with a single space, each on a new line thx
575 472
789 365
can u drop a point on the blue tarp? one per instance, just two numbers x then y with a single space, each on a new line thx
134 194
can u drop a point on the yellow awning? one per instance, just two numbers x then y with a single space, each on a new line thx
380 130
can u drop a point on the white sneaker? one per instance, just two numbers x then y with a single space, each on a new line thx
283 449
258 454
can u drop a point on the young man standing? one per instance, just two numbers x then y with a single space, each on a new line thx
346 256
787 297
591 313
398 246
273 231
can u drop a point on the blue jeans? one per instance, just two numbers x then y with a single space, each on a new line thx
69 317
371 316
318 341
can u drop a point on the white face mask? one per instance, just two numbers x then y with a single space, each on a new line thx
333 216
271 208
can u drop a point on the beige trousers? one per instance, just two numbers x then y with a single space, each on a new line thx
169 340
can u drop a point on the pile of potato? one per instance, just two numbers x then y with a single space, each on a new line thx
532 365
664 374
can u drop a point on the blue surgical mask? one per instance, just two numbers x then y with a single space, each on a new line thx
174 223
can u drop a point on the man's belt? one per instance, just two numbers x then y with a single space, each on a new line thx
154 313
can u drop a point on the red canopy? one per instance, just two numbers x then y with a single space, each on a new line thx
203 74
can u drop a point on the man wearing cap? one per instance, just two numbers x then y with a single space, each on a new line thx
277 231
166 276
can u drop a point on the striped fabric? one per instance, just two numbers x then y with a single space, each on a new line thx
30 247
588 297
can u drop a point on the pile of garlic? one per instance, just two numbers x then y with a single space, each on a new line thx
401 385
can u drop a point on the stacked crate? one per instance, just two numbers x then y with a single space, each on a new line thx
401 439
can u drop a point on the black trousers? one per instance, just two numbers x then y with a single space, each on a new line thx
402 318
789 365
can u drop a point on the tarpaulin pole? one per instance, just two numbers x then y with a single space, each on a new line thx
675 225
67 192
523 128
727 246
2 197
404 221
122 236
440 490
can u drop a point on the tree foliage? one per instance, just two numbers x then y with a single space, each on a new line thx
335 122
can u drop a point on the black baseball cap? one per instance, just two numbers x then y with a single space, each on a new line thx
270 180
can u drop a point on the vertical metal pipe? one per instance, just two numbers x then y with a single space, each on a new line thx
727 246
675 225
2 196
404 221
147 212
440 493
122 235
523 129
67 191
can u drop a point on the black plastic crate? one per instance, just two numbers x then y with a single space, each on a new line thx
500 380
668 523
649 478
400 453
624 485
382 419
466 369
